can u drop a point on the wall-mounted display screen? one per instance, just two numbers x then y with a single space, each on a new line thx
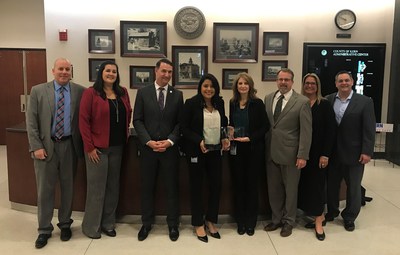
366 62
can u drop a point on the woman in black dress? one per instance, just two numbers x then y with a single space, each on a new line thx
312 186
247 116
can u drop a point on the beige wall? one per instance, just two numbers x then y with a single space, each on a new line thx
306 21
22 24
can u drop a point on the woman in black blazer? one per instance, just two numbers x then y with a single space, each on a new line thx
202 121
248 123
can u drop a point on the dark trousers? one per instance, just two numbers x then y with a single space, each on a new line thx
165 163
353 177
207 165
244 168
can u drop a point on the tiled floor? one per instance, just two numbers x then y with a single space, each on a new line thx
377 229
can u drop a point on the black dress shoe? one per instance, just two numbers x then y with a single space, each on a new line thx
111 232
41 241
250 231
173 233
312 224
144 232
66 234
215 235
349 225
320 237
241 230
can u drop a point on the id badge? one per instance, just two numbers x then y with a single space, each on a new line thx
193 160
232 150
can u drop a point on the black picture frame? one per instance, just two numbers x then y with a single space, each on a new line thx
141 76
146 39
190 63
235 42
94 64
101 41
271 67
275 43
229 75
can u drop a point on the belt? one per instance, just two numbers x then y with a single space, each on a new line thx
64 138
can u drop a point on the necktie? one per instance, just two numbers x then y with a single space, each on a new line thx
278 107
161 98
59 130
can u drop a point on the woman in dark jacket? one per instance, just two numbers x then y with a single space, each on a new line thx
248 124
202 122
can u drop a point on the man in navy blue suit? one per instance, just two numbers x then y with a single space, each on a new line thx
355 118
155 118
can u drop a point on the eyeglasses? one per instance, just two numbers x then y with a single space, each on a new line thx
284 79
310 83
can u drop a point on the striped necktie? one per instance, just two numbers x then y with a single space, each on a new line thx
59 130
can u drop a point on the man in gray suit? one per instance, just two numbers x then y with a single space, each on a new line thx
54 144
155 118
288 145
355 140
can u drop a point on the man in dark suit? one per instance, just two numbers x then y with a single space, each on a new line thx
155 118
287 150
355 118
54 143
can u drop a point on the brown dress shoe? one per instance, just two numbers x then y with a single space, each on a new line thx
286 230
272 226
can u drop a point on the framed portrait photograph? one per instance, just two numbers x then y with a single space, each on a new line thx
235 42
146 39
94 65
101 41
275 43
271 67
190 63
229 75
141 76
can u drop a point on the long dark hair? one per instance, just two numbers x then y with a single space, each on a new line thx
99 83
252 90
215 85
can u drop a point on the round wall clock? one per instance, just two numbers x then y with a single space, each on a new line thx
345 19
189 22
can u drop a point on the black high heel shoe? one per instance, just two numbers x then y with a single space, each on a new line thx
202 238
320 237
215 235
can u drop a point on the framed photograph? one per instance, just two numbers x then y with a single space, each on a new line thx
229 75
101 41
141 76
94 65
275 43
146 39
235 42
271 67
190 63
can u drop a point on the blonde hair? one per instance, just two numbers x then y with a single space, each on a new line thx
317 80
250 81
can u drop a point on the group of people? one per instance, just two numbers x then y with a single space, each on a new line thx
304 142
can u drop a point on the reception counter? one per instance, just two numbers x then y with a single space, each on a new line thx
22 184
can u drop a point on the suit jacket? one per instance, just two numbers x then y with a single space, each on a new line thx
192 123
258 122
356 132
94 119
290 136
40 116
150 122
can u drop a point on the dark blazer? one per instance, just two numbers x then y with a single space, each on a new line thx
258 121
40 115
150 122
356 132
94 119
192 122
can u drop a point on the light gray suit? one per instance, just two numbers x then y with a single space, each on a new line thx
289 139
61 159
